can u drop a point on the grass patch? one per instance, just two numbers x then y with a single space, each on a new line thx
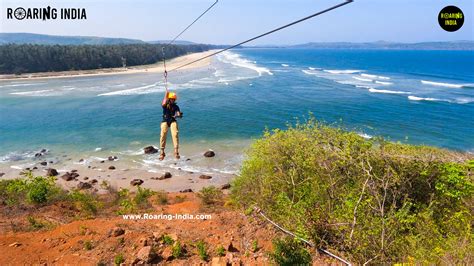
210 196
202 250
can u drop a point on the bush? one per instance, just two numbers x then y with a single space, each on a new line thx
220 251
31 189
177 250
162 197
142 196
119 259
375 200
202 250
288 251
85 202
210 195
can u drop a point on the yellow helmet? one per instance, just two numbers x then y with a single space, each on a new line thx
172 95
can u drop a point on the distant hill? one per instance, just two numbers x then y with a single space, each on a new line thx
32 38
454 45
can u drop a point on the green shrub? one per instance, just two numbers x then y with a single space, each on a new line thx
30 189
142 195
167 240
220 251
162 197
119 259
177 250
289 252
88 245
210 195
37 224
202 250
375 200
85 202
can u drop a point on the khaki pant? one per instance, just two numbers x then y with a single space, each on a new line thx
174 135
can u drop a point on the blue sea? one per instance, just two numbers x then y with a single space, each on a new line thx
417 97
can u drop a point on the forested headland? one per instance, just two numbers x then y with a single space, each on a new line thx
29 58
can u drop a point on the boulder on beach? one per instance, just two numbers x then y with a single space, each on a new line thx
84 185
150 150
2 174
136 182
186 190
165 176
44 163
111 167
69 176
205 177
225 186
112 158
209 153
52 172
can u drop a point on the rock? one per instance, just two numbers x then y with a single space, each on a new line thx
52 172
218 261
146 254
73 171
205 176
2 174
69 176
94 181
38 155
27 169
86 178
43 150
102 161
34 168
167 253
111 167
116 231
84 185
136 182
186 190
15 244
43 163
165 176
81 160
150 150
50 161
189 159
112 158
209 153
225 186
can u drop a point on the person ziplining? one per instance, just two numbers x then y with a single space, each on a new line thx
171 111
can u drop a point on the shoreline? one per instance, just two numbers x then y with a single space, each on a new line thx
152 68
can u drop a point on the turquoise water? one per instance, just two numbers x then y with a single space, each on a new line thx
420 97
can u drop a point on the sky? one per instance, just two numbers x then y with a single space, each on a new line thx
232 21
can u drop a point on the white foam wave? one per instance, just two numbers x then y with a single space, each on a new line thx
285 65
442 84
416 98
308 72
347 71
362 79
38 93
19 85
383 82
388 91
135 91
364 135
374 76
237 60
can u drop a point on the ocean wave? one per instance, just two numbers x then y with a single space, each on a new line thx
151 88
388 91
237 60
362 79
416 98
308 72
374 76
19 85
346 71
38 93
442 84
364 135
285 65
383 82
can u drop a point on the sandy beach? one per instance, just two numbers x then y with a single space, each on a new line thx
153 68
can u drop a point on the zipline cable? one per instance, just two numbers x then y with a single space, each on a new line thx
266 33
165 74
